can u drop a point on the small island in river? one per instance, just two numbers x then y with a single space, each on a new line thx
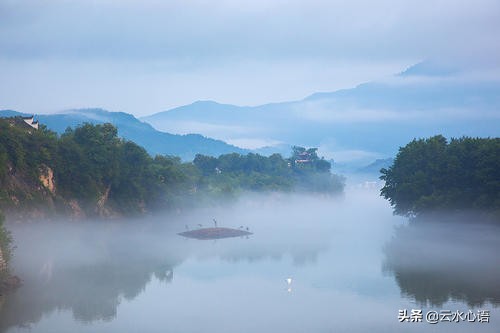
214 233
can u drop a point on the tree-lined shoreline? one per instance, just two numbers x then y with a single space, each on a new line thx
435 177
89 171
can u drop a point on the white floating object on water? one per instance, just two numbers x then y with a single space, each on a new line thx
289 282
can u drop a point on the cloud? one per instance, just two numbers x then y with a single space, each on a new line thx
253 143
247 137
195 32
145 56
218 131
322 112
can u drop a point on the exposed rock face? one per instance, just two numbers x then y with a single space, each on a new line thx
101 208
32 191
103 199
47 179
35 199
27 198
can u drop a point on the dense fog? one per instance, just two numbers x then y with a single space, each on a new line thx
352 266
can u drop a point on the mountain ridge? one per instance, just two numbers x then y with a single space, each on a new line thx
155 142
369 121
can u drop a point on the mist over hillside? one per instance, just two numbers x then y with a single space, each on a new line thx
358 125
353 127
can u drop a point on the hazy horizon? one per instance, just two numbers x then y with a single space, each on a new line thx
84 106
150 56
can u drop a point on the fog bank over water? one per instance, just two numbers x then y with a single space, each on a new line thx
352 263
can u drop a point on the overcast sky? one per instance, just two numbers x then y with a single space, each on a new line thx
147 56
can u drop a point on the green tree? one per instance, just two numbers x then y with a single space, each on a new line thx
206 164
432 175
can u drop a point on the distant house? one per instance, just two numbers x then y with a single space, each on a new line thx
31 121
304 157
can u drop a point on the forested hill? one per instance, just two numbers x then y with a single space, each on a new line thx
432 177
90 171
130 128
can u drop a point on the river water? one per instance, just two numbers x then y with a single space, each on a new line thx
313 264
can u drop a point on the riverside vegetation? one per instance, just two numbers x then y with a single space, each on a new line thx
432 177
89 171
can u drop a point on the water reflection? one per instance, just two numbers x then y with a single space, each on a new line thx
85 272
90 268
434 263
142 276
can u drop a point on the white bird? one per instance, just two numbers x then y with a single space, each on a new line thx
289 282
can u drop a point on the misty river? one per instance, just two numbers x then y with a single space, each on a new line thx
312 264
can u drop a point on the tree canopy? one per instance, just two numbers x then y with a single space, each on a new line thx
433 175
91 163
304 170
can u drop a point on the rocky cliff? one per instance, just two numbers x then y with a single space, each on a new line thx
25 198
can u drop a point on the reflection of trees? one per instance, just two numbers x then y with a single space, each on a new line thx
91 288
88 269
437 263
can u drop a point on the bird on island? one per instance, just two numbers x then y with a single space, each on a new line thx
215 222
200 225
247 229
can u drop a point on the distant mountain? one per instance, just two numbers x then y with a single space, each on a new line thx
429 68
130 128
374 167
355 125
282 149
